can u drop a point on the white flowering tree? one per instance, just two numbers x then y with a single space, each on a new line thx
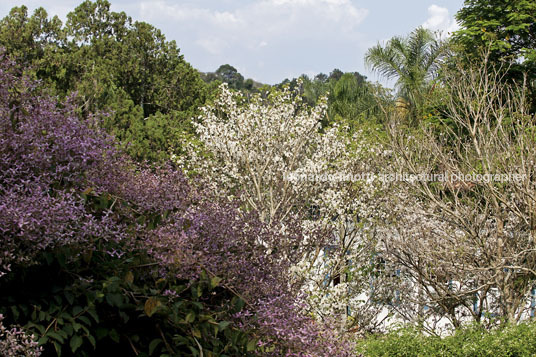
274 154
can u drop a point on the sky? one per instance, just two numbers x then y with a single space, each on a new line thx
270 40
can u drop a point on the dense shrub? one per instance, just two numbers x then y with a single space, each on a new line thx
472 341
99 255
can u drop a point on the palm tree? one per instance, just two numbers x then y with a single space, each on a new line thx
412 60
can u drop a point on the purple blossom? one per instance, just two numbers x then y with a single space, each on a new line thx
52 161
16 342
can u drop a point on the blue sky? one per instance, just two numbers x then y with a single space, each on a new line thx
270 40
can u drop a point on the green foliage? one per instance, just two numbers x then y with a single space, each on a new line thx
88 303
504 28
115 65
352 100
507 26
413 61
314 89
230 75
37 40
121 313
472 341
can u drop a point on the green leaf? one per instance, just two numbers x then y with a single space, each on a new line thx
77 309
68 328
15 312
215 281
91 339
57 346
197 304
40 328
101 332
251 345
124 316
42 340
190 317
196 333
69 296
42 315
151 305
222 325
196 291
93 314
239 304
154 343
85 320
129 277
76 342
114 299
114 335
55 336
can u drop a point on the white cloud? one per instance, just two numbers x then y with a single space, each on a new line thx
439 19
250 27
266 16
273 38
212 45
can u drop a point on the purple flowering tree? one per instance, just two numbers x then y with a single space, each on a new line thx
139 259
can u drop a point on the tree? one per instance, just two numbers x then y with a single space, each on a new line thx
413 61
336 74
37 41
507 29
228 74
321 77
257 146
249 84
115 65
465 237
353 101
314 89
275 156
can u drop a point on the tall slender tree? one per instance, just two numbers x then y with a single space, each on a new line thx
413 61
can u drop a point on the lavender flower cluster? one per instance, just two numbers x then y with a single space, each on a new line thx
51 160
46 157
16 342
